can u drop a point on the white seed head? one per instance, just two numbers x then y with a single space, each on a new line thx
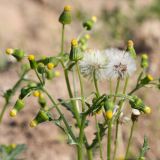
120 63
94 62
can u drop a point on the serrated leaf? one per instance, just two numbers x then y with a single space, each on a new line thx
102 129
97 105
8 153
68 106
57 122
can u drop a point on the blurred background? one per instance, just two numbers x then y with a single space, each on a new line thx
33 26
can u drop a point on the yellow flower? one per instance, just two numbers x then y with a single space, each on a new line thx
13 113
109 114
31 57
50 66
13 145
74 42
147 110
87 36
36 93
144 56
150 77
57 73
94 18
67 8
33 124
130 43
9 51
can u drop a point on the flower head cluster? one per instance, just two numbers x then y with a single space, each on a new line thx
108 64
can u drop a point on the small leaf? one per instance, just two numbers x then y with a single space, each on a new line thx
68 106
144 148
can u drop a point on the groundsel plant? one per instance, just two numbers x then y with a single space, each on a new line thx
110 66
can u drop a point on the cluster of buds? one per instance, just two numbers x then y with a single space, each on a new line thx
44 66
16 53
109 106
83 42
137 103
75 52
130 49
144 61
65 17
89 23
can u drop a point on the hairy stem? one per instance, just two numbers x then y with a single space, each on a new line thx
109 140
129 141
97 126
117 122
62 39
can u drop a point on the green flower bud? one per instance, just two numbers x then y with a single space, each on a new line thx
75 53
42 100
40 68
25 92
49 74
65 17
41 117
108 105
18 54
32 61
89 23
146 79
31 85
130 49
137 103
25 67
19 105
144 61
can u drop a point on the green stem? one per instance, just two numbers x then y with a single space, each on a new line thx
110 85
117 89
96 84
89 154
109 140
61 114
81 87
99 138
97 126
38 77
13 91
117 122
3 110
81 134
62 39
129 141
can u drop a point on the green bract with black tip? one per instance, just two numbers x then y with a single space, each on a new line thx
49 74
41 68
18 54
42 101
65 17
75 53
19 105
42 116
108 105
